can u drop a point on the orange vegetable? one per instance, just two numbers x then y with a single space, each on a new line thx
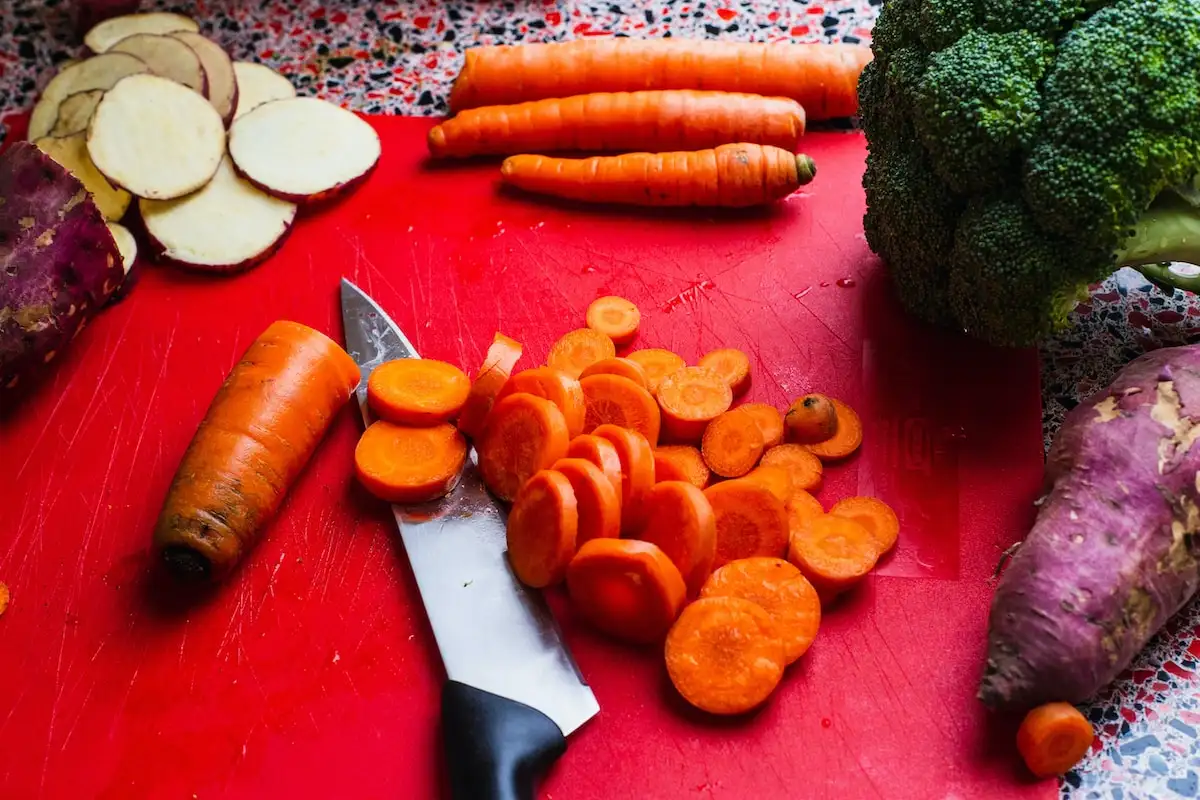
602 453
679 519
557 387
613 400
811 419
874 515
807 470
690 398
626 588
623 367
657 364
847 439
777 479
637 470
802 508
769 420
258 434
502 357
542 529
725 655
750 521
680 462
598 500
823 78
732 444
578 350
5 596
621 121
401 464
525 434
417 391
1053 738
728 176
834 553
781 590
732 365
615 317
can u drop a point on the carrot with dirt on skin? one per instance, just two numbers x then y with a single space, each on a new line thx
620 121
577 350
678 518
542 529
806 469
845 441
623 367
690 398
417 391
637 470
557 387
776 478
258 434
402 464
751 521
834 553
810 419
597 499
681 462
602 453
657 364
736 175
874 515
613 400
525 434
781 590
769 420
502 357
732 444
1053 738
732 365
615 317
627 589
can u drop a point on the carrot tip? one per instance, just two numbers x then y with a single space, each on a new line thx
806 168
184 562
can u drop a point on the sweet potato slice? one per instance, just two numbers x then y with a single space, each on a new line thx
75 112
167 57
258 84
218 73
71 152
107 33
99 72
126 245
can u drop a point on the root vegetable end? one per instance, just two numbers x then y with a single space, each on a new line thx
186 564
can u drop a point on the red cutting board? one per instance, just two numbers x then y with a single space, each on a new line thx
312 672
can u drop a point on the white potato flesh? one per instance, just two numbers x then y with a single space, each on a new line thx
126 244
227 225
303 149
218 72
107 33
75 112
156 138
97 72
167 57
71 152
258 84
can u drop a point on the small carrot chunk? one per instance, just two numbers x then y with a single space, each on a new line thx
725 655
681 462
613 400
806 469
769 420
578 350
777 479
598 500
732 365
619 366
732 444
502 357
657 364
615 317
781 590
557 387
834 553
679 519
602 453
802 508
401 464
874 515
691 398
845 441
5 597
751 521
526 434
542 529
811 419
417 391
1053 738
626 588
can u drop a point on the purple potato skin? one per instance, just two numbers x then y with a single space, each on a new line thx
58 262
1114 550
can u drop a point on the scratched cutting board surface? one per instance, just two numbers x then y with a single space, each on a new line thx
312 672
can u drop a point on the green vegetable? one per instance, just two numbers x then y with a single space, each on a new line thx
1020 151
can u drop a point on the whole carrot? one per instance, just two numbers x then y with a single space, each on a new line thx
258 434
732 175
621 121
823 78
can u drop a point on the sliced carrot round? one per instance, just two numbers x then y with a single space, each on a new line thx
691 398
557 387
732 444
637 470
802 508
806 469
626 588
782 591
732 365
603 454
542 529
769 420
845 441
657 364
874 515
598 500
502 357
615 317
578 350
777 479
725 655
417 391
678 518
834 553
619 366
1053 738
613 400
525 434
681 462
401 464
750 521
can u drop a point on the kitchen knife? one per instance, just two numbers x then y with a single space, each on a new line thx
513 692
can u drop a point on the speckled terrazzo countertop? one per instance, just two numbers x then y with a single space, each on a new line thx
399 57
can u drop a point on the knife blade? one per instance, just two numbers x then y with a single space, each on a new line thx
513 690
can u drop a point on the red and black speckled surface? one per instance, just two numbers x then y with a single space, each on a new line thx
400 57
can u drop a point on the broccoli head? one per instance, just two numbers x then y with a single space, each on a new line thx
1020 151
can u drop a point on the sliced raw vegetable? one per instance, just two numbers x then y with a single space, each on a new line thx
75 112
732 444
874 515
615 317
681 462
107 33
72 153
618 366
657 364
1053 738
806 469
781 590
579 349
524 435
598 499
167 57
625 588
258 84
542 529
751 521
126 245
417 391
99 72
802 509
603 454
777 479
769 420
637 470
732 365
678 518
834 553
845 441
502 357
613 400
401 464
5 597
218 73
690 399
812 418
557 387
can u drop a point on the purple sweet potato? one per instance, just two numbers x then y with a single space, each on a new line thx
58 261
1114 550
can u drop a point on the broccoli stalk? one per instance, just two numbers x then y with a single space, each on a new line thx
1168 231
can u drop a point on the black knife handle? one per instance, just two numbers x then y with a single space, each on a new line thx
495 748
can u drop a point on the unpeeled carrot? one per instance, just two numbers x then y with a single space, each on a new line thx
681 462
845 441
874 515
502 357
834 553
542 529
810 419
577 350
1053 738
691 398
613 400
258 434
598 500
657 364
557 387
732 365
750 521
823 78
781 590
402 464
626 588
525 434
637 470
732 444
769 420
678 518
615 317
603 454
806 469
623 367
735 175
417 391
777 479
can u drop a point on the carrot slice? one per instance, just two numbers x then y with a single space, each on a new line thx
602 453
557 387
777 479
807 470
578 350
781 590
637 470
732 365
613 400
598 500
524 435
542 529
1053 738
691 398
769 420
845 441
615 317
618 366
417 391
802 508
502 356
626 588
680 462
732 444
874 515
834 553
750 521
5 596
400 464
657 365
725 655
811 419
679 519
